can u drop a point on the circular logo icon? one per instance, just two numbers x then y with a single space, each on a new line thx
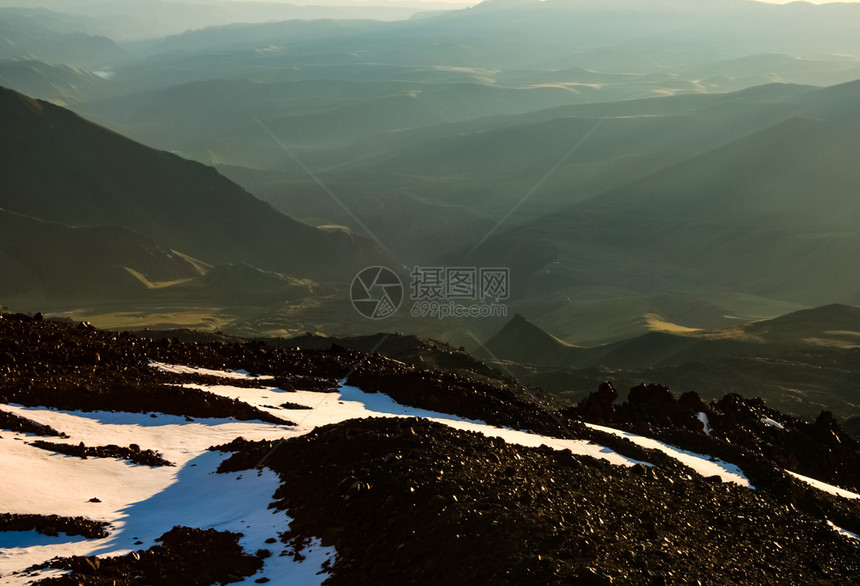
376 292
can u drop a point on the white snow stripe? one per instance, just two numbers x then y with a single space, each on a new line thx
701 463
234 374
828 488
706 425
844 532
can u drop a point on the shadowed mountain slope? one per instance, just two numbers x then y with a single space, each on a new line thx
59 167
93 262
772 214
831 326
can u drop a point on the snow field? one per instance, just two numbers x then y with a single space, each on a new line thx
142 502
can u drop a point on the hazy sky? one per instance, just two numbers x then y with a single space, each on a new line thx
473 2
375 2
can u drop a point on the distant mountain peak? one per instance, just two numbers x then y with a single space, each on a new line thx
519 325
523 341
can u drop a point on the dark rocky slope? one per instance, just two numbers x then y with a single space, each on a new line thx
76 367
408 501
185 556
413 502
13 422
739 429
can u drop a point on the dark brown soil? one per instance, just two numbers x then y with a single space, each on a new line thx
288 382
75 366
185 556
208 380
413 502
52 525
414 351
132 453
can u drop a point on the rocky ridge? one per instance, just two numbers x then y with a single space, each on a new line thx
410 501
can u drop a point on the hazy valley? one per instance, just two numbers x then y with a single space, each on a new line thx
663 196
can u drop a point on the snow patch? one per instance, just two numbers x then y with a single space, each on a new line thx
770 422
142 502
828 488
234 374
844 532
706 426
702 464
353 403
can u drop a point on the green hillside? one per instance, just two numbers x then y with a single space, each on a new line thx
58 167
55 261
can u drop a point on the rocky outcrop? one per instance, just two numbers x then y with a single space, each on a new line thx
184 556
53 525
409 501
133 453
738 427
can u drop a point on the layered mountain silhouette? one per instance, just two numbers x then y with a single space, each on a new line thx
665 171
523 341
832 326
54 37
771 215
801 362
60 83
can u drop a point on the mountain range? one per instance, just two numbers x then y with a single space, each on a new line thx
430 148
87 210
623 346
800 362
